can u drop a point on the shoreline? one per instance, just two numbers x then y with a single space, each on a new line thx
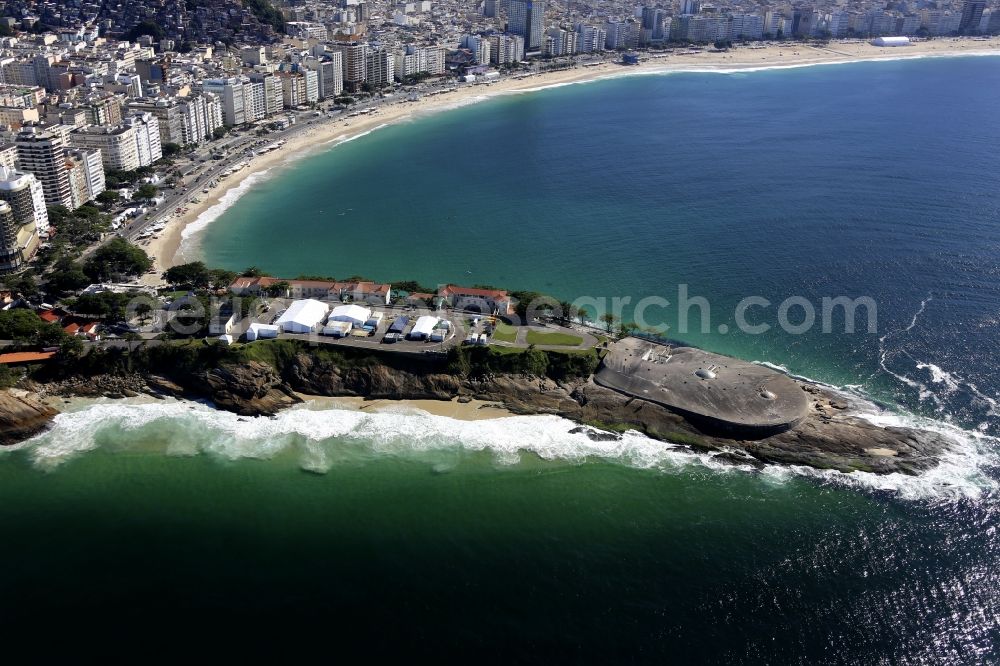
834 433
466 410
470 410
168 247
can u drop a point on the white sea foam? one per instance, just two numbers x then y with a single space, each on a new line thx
322 437
784 370
343 139
960 472
923 391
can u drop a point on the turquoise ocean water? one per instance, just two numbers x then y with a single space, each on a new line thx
332 531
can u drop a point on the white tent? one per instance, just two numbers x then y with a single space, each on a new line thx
891 41
337 329
261 332
303 316
422 329
355 314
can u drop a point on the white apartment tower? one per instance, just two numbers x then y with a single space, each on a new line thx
42 152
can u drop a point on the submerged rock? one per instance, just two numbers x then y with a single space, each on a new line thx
596 435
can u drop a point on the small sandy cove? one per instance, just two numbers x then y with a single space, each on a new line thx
321 135
472 410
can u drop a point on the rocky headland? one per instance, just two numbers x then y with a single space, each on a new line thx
831 436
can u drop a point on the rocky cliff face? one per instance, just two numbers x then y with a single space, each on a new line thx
22 416
250 389
317 377
828 438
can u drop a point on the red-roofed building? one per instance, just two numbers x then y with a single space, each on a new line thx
252 286
323 290
361 292
420 300
485 301
25 357
90 330
255 286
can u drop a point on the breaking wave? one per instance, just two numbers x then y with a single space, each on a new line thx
321 436
962 471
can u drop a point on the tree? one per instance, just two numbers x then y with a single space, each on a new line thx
19 325
143 310
144 192
219 132
71 347
170 149
609 320
412 286
116 258
8 378
266 13
23 284
567 312
105 304
108 197
193 274
277 289
627 328
221 278
57 214
66 276
191 315
145 28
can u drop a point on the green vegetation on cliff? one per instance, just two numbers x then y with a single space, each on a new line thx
184 359
479 361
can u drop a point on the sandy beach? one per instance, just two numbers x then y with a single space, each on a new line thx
167 250
473 410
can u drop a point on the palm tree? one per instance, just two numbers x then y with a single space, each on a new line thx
567 312
609 320
627 328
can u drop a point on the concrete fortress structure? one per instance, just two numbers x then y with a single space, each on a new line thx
716 393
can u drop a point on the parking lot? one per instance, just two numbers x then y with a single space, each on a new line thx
377 338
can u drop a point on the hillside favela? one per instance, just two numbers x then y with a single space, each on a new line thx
519 331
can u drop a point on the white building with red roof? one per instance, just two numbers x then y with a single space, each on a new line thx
485 301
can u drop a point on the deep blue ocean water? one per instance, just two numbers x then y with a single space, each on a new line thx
168 529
